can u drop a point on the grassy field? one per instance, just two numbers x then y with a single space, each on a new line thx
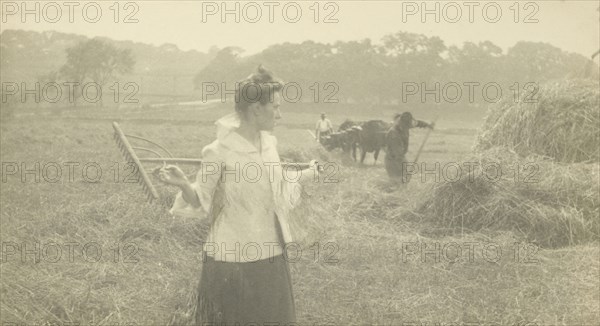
368 268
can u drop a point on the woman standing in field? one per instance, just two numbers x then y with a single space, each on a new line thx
245 277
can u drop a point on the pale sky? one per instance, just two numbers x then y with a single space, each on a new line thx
571 25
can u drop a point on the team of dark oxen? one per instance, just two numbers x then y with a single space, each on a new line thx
374 135
367 136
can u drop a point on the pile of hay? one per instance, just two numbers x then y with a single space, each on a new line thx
305 155
562 123
308 220
554 201
551 204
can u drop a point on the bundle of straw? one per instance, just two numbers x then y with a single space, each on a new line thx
548 203
562 122
305 155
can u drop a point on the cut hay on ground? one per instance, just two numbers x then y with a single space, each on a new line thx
562 122
550 203
303 155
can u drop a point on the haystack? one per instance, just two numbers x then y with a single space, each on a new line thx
554 200
548 203
562 122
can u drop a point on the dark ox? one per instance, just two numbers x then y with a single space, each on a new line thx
345 138
370 138
333 141
347 124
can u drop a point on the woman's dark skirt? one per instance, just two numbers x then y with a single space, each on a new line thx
252 293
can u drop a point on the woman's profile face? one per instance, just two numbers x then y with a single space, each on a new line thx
269 113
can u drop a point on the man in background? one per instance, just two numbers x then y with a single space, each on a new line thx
397 145
324 127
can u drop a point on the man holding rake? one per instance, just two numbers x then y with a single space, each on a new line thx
397 145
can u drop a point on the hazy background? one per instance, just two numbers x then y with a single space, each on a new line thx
368 49
571 25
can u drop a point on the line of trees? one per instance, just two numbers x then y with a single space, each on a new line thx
373 73
363 72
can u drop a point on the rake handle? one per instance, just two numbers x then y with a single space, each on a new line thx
171 160
199 161
424 141
422 145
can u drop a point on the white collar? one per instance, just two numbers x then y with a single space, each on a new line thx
226 126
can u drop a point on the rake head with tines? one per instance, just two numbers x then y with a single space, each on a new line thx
130 155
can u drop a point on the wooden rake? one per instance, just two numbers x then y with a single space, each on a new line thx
129 153
424 141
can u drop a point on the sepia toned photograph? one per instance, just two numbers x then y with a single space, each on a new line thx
307 162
